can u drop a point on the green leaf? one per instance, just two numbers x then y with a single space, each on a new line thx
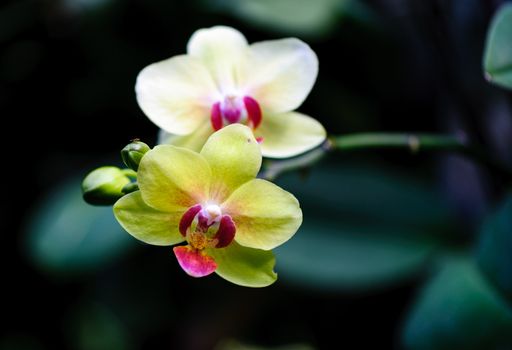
494 250
364 228
305 17
351 259
65 234
458 309
245 266
498 50
233 344
355 194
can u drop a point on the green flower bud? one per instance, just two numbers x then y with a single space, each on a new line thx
104 186
131 187
133 152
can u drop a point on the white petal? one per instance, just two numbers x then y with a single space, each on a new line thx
176 94
289 134
279 74
193 141
221 49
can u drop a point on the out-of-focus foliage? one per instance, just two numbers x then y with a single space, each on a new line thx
459 309
494 250
297 17
498 51
236 345
67 235
361 231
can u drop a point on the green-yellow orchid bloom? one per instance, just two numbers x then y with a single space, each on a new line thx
223 80
212 201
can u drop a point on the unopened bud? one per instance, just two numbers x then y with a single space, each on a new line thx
104 186
133 152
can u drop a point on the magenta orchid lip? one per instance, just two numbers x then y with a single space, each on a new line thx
203 227
233 109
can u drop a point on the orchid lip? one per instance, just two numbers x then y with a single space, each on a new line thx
192 257
234 109
194 262
198 222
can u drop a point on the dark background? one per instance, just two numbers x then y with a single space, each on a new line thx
67 73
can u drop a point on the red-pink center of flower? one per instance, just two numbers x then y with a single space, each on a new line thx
204 226
235 109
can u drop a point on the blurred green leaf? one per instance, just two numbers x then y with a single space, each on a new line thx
92 326
363 228
232 344
498 50
349 258
361 193
65 234
291 16
494 250
458 309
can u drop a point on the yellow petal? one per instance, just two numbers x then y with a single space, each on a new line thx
172 178
245 266
289 134
265 215
147 224
234 157
279 74
222 50
176 94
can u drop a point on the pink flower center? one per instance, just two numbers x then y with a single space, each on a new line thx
203 226
206 227
235 109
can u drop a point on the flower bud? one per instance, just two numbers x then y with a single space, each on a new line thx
133 152
104 186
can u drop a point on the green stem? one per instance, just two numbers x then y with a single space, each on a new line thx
420 142
413 143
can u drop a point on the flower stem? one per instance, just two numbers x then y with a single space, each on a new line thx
413 143
416 143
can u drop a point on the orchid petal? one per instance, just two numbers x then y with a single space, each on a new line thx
176 94
145 223
289 134
245 266
187 218
172 178
226 232
194 262
234 157
222 50
266 216
279 74
194 141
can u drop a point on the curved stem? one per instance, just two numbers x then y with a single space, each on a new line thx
413 143
420 142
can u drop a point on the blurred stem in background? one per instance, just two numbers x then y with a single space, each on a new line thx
411 142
